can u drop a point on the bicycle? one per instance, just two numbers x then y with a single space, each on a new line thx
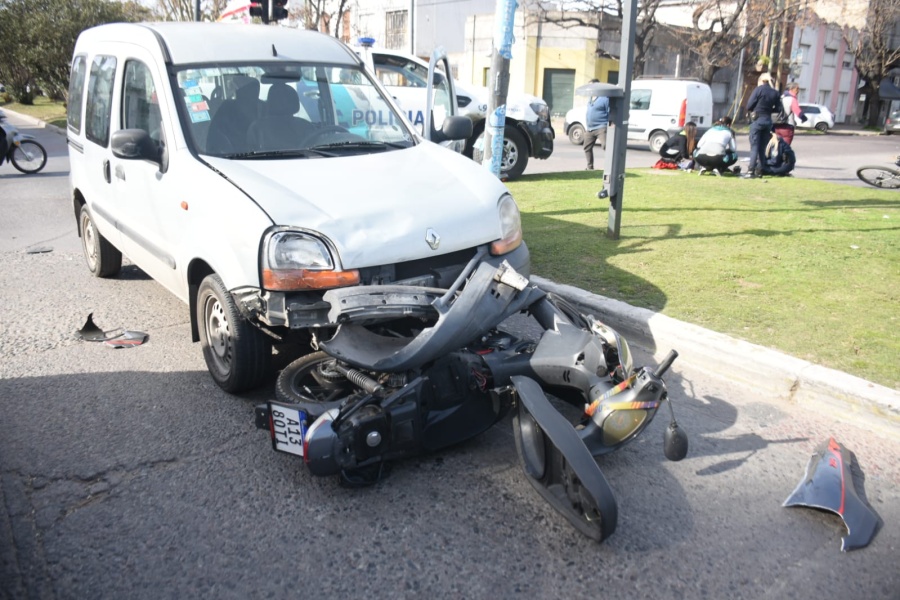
886 178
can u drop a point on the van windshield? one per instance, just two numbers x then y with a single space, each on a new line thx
260 110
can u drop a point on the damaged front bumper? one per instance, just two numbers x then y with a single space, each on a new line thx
304 310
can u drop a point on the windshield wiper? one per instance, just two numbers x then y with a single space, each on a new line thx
359 145
304 153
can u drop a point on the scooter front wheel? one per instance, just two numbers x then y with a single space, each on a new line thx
28 157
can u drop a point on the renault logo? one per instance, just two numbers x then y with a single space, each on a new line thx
433 239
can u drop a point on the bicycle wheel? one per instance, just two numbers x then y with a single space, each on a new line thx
29 157
881 177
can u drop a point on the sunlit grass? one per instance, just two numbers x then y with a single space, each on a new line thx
807 267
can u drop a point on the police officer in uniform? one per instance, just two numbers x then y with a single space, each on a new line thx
764 101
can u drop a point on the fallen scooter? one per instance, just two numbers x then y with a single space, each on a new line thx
24 152
413 370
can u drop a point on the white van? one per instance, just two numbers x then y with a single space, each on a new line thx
659 108
250 168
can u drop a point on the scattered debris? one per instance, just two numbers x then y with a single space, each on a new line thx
38 250
128 339
828 485
114 338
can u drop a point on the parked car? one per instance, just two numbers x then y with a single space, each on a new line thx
892 122
659 108
254 171
817 117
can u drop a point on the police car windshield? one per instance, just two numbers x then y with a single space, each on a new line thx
282 109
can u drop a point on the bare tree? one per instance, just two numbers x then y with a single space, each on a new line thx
326 16
184 10
876 48
721 29
606 17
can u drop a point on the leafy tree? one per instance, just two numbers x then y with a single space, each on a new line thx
606 17
876 47
45 32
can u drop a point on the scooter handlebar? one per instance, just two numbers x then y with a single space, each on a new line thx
666 363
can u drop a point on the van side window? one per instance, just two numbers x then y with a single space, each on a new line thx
99 99
76 93
140 105
640 99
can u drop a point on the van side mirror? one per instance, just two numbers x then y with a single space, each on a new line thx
134 144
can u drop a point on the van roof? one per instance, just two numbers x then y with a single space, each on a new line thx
191 42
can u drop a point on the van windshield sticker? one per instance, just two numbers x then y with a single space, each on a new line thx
200 116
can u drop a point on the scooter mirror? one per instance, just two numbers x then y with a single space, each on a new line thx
675 442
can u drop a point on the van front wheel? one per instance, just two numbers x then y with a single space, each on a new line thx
237 354
657 140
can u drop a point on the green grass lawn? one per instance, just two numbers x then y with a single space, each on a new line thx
809 268
43 108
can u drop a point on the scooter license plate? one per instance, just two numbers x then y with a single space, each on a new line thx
288 426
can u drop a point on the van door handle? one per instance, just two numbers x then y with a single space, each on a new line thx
120 172
106 171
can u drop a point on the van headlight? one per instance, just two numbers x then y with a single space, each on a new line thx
510 227
294 260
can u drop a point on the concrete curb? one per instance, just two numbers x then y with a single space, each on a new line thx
35 121
772 373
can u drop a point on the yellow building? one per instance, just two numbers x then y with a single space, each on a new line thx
547 60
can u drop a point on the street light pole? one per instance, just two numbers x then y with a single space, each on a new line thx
614 170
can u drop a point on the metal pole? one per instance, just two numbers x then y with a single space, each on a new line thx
197 11
504 21
614 171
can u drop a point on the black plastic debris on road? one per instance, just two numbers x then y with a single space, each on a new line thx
828 485
114 338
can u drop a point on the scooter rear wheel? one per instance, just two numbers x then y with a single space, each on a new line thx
28 157
312 383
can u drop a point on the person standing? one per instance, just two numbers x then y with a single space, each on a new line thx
596 123
764 101
792 106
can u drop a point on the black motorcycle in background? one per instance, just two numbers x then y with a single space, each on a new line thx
412 370
24 152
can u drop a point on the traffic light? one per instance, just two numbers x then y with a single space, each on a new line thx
260 9
279 10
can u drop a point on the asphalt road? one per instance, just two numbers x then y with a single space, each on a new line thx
129 474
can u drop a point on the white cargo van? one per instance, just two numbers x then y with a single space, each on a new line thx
250 168
659 108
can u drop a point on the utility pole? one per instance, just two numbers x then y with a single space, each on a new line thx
504 21
197 11
614 170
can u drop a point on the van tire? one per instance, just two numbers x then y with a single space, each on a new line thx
103 259
657 140
515 153
237 354
576 134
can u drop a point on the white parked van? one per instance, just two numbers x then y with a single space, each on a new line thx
659 108
250 168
